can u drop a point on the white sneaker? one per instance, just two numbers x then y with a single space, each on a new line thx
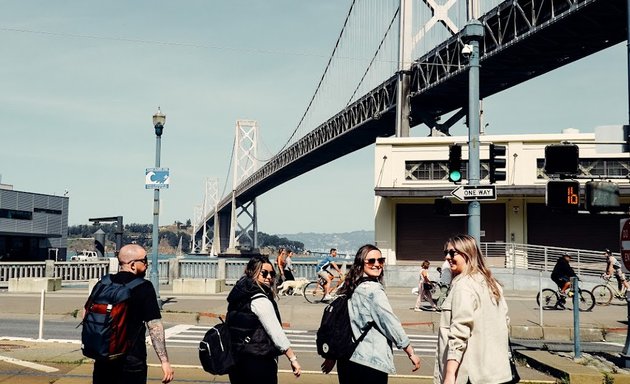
327 298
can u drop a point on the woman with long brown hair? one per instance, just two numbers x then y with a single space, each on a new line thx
372 360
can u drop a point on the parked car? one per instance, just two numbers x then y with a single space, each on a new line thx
85 256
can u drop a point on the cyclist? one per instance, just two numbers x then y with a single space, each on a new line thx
561 275
324 270
613 267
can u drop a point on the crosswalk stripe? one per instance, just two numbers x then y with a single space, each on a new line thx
302 340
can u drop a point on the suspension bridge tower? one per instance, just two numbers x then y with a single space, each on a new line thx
243 225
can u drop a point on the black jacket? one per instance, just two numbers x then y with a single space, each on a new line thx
247 332
562 269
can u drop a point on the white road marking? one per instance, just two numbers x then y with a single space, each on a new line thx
28 364
186 336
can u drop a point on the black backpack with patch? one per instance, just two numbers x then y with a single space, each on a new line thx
335 339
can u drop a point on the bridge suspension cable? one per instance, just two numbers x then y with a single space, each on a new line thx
380 45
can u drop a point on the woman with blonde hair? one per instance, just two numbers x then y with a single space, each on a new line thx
473 335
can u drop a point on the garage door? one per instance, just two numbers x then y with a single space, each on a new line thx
420 233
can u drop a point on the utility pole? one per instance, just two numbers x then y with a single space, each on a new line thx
472 35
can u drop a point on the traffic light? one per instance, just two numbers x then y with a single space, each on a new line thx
562 159
497 163
455 163
563 195
601 196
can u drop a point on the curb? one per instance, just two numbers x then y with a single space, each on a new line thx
568 370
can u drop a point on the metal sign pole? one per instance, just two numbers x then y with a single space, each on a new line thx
472 35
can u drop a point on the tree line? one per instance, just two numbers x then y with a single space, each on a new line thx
142 233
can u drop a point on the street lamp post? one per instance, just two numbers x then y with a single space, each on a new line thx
158 123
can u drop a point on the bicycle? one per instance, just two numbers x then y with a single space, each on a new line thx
551 299
604 293
313 292
441 290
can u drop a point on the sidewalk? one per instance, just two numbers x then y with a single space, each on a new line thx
603 322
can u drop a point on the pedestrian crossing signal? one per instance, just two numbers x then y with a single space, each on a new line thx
563 195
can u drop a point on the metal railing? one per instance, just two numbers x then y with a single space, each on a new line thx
543 258
81 271
21 270
504 255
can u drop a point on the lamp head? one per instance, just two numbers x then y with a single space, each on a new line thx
159 119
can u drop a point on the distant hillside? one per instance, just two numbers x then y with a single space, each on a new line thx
347 242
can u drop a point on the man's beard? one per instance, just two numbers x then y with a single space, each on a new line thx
141 274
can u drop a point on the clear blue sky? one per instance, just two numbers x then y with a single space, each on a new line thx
81 80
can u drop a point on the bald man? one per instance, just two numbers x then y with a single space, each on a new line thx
143 309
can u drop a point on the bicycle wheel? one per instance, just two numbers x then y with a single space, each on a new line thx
549 299
312 292
603 295
435 290
587 300
442 296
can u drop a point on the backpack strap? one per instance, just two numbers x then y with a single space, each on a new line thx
135 282
365 331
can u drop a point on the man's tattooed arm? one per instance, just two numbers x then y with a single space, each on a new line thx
156 332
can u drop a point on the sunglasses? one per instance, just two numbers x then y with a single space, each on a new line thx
264 273
451 252
144 261
381 260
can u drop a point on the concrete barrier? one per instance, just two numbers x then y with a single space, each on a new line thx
34 284
91 284
198 286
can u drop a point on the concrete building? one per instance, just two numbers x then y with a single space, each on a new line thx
33 226
410 173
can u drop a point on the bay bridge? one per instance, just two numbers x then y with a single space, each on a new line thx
398 64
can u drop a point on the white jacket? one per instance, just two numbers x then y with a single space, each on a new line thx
474 332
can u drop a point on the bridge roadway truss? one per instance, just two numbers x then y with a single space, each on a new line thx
523 39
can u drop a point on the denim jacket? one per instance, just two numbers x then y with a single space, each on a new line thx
369 303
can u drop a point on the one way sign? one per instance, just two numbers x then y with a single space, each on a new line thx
475 192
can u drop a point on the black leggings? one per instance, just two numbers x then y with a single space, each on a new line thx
125 370
350 372
254 369
288 275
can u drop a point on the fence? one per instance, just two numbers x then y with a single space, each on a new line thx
542 258
502 255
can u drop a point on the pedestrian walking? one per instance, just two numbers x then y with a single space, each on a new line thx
288 265
256 327
143 309
424 288
372 360
473 335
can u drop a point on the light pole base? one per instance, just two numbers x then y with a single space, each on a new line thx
624 360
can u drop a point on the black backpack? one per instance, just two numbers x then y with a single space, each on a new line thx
215 350
335 340
106 333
